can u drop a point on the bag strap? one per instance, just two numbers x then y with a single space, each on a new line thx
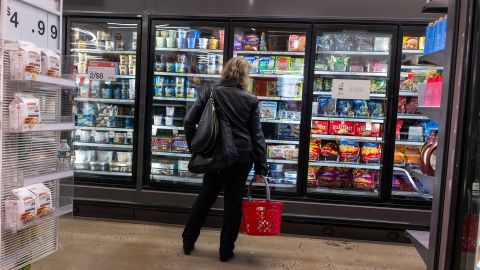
267 189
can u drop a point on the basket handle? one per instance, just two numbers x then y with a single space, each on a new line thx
267 189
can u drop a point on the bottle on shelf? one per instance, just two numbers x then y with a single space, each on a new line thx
64 156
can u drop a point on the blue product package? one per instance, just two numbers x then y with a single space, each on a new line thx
444 33
344 107
360 107
326 106
268 109
288 131
253 61
375 108
429 125
428 31
435 45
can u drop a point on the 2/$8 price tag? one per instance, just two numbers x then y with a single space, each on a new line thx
101 71
23 21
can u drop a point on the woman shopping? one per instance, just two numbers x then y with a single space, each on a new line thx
241 109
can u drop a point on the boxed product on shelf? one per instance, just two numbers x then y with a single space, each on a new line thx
43 199
266 65
381 44
360 107
24 112
349 151
326 177
338 63
342 128
399 155
24 57
252 41
282 64
314 152
378 86
375 108
345 107
162 143
253 61
415 133
289 115
179 144
20 208
289 86
297 64
363 179
365 42
268 109
287 131
343 178
326 106
164 167
410 43
329 150
371 152
289 152
319 127
374 130
413 155
265 87
296 43
51 64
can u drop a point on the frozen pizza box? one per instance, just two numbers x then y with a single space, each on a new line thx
342 128
268 109
43 199
20 208
288 131
24 112
319 127
25 57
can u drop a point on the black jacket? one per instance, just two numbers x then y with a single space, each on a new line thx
241 109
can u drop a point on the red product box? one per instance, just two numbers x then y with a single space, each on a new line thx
319 127
342 128
361 130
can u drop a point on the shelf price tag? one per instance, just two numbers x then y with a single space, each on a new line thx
101 71
368 125
351 89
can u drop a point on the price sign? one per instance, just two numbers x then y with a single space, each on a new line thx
101 71
351 89
32 20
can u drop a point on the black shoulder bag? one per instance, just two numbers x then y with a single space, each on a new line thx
213 146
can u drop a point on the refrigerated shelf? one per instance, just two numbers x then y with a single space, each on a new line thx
187 75
431 112
104 145
194 180
280 121
167 127
268 53
281 141
343 191
105 128
355 52
35 179
407 93
412 116
43 81
125 76
174 99
171 154
106 100
47 127
372 95
422 67
346 137
104 173
351 73
299 76
412 51
282 161
187 50
98 51
349 119
338 164
280 98
410 143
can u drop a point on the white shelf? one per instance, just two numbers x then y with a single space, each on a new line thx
192 180
372 95
281 142
422 67
298 76
47 127
280 98
280 121
104 128
345 137
346 191
355 52
57 212
104 145
349 119
99 51
167 127
31 180
273 185
187 75
106 100
125 76
410 143
412 116
175 99
413 52
350 73
187 50
47 82
407 93
104 173
171 154
281 161
345 165
268 53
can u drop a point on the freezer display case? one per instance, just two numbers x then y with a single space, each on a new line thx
415 132
105 54
349 110
187 58
277 58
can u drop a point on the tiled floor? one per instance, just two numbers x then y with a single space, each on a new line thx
105 245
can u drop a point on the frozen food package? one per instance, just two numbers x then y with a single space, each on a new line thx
24 112
314 152
266 65
381 44
329 149
325 42
363 179
282 64
251 42
25 58
288 131
343 178
297 64
402 101
415 133
296 43
378 86
51 64
342 128
312 172
410 43
375 108
379 66
253 61
326 177
289 115
326 106
371 152
413 155
162 143
319 127
356 64
360 107
399 155
265 87
339 42
20 208
238 42
345 107
349 151
322 63
411 105
327 85
268 109
365 42
318 84
338 63
43 199
375 129
288 86
351 42
282 152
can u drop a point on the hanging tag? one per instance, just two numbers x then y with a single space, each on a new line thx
368 125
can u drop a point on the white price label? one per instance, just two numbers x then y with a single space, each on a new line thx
351 89
101 71
368 125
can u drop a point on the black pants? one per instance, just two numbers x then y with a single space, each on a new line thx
232 180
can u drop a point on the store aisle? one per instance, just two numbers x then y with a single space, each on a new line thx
91 244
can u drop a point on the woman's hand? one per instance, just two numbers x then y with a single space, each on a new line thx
259 178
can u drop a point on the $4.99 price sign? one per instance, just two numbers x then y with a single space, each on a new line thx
26 20
101 71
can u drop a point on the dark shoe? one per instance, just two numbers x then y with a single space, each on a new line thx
226 255
187 249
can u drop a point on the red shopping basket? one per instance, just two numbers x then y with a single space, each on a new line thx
261 217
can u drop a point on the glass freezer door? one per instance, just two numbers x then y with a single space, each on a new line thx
413 129
188 58
104 107
276 56
349 111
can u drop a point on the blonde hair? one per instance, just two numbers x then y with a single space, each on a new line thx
237 69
